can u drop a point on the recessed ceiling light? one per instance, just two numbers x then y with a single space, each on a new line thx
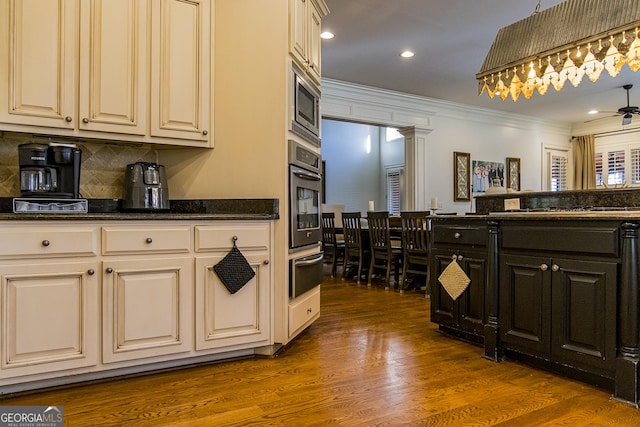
593 112
327 35
407 54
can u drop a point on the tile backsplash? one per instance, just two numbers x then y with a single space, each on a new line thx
102 168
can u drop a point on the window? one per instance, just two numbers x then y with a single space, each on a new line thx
599 169
558 172
394 190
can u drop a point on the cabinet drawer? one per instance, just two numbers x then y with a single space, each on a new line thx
460 234
250 236
304 310
67 241
586 239
135 239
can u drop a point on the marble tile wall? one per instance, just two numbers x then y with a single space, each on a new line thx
102 170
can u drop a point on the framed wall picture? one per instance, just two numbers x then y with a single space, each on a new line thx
461 176
513 173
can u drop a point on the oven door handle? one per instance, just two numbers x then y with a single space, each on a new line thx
306 175
304 261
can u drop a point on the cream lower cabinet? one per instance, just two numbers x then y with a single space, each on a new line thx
226 320
147 307
49 300
147 291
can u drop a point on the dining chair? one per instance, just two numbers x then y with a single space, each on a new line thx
385 254
415 246
354 248
332 247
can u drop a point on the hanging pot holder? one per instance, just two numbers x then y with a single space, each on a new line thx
234 270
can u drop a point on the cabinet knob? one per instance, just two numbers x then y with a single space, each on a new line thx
149 240
85 120
555 267
45 243
309 310
460 257
205 132
544 267
109 270
91 272
266 262
457 235
68 119
454 257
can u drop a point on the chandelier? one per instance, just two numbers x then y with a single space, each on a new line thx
566 42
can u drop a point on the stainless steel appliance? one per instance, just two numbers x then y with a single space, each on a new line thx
305 273
145 187
50 171
306 107
305 186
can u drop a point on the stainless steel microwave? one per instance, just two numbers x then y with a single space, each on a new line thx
306 108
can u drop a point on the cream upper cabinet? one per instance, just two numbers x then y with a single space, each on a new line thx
136 71
38 62
113 66
305 25
181 65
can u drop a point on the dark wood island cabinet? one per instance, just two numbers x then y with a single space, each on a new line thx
556 290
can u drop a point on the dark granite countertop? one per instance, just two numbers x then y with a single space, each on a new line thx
111 210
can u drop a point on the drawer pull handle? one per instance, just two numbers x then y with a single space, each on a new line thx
544 267
149 240
45 243
555 267
109 270
457 235
91 272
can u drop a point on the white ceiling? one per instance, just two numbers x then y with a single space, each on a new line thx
450 39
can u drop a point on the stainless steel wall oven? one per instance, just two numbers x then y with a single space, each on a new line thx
305 190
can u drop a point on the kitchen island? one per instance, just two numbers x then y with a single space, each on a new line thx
556 289
110 293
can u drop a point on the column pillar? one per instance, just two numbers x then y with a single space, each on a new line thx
627 379
415 168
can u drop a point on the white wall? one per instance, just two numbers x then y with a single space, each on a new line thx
485 134
352 173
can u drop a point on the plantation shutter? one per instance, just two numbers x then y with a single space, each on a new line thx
558 172
615 167
598 161
393 191
635 166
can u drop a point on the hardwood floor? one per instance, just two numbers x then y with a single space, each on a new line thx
373 358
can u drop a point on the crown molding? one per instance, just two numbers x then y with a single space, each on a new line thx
359 103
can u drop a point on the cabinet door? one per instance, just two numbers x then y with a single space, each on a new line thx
471 302
181 66
442 305
49 317
224 319
38 62
314 54
113 66
525 303
298 30
147 307
583 326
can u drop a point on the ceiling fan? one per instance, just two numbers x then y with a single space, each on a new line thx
626 112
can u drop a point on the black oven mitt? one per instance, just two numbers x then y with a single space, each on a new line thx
234 270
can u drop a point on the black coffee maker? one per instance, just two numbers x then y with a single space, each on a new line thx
50 171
